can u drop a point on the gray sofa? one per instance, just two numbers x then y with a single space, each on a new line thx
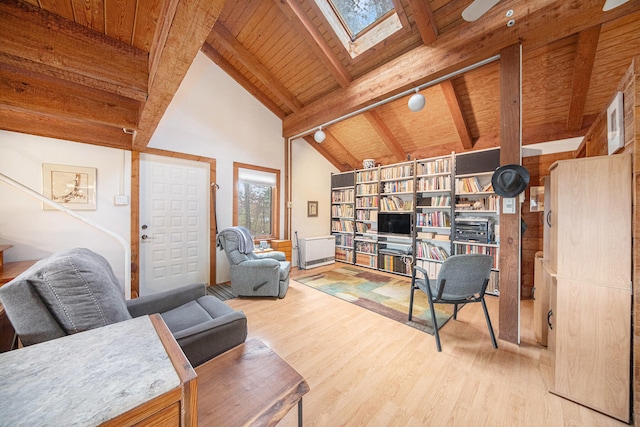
258 275
76 290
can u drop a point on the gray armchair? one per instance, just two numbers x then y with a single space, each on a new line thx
254 274
76 290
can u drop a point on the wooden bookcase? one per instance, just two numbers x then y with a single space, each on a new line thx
366 221
343 215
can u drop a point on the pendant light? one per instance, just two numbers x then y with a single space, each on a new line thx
416 102
319 136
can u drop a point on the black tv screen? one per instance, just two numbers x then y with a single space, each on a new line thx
394 223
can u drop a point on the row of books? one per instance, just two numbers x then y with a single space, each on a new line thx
367 215
428 250
342 196
342 225
367 176
367 260
342 211
434 183
435 166
423 235
395 204
400 171
344 240
461 248
345 255
441 200
490 203
366 228
405 186
367 202
472 185
366 189
395 264
368 247
433 219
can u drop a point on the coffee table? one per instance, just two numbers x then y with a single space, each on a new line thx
249 385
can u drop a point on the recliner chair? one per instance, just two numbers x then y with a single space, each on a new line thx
265 275
76 290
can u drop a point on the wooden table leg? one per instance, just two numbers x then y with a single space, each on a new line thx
300 412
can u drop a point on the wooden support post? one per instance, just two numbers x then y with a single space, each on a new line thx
510 134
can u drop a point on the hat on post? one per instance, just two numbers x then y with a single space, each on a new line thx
510 180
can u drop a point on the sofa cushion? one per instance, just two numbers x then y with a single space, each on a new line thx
79 289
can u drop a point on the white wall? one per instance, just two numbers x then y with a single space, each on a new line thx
213 116
36 233
311 181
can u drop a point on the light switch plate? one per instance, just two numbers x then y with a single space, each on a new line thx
121 200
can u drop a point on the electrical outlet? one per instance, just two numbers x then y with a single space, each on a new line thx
121 200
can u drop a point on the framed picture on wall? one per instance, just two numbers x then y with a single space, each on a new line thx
615 124
74 187
536 199
312 209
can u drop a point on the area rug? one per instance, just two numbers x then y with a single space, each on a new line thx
222 291
382 294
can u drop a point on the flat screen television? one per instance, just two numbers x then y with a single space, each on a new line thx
394 223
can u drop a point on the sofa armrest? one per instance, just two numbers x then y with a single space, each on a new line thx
210 324
277 255
165 301
262 262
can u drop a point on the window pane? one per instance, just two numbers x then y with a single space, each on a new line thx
359 14
255 207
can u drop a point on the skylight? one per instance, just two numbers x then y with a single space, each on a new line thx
361 24
358 15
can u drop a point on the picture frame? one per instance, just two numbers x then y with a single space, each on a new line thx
74 187
536 199
615 124
312 209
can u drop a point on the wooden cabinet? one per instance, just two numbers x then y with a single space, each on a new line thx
540 300
590 273
282 246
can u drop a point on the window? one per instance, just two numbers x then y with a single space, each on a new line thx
256 200
361 24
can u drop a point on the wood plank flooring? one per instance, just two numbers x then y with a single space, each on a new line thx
367 370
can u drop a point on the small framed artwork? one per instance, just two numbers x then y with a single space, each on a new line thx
536 199
615 124
312 209
74 187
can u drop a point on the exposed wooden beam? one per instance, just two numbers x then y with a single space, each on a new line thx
386 135
28 91
232 71
452 51
165 19
192 23
455 108
554 131
35 40
221 35
582 68
67 129
425 21
306 28
352 162
323 151
510 111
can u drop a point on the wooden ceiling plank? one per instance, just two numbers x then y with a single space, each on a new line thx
583 66
218 59
76 53
323 151
455 108
451 52
191 24
226 39
425 20
147 14
386 135
27 91
314 39
166 16
57 7
89 14
69 130
119 18
332 140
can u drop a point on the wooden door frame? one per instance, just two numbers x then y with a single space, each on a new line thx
135 213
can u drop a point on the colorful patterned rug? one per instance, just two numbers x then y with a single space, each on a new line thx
382 294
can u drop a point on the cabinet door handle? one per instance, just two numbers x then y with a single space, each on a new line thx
549 218
549 314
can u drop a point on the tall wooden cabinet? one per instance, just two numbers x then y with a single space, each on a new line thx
588 268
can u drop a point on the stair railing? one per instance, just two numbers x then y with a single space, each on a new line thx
58 206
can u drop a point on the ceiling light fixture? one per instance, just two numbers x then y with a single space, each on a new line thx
416 102
319 136
612 4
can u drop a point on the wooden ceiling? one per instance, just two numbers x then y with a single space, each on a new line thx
104 71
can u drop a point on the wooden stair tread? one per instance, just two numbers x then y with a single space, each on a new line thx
11 270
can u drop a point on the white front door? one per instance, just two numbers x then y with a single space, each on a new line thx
174 223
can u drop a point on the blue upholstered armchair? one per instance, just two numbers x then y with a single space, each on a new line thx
254 274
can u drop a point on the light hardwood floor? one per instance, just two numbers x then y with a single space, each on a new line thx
367 370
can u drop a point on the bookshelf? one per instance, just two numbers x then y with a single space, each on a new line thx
476 209
343 215
366 217
433 217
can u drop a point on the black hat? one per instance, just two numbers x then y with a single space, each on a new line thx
510 180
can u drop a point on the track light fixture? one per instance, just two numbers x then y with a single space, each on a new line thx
417 101
612 4
319 136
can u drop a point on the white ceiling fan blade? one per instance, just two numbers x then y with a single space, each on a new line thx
478 8
612 4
